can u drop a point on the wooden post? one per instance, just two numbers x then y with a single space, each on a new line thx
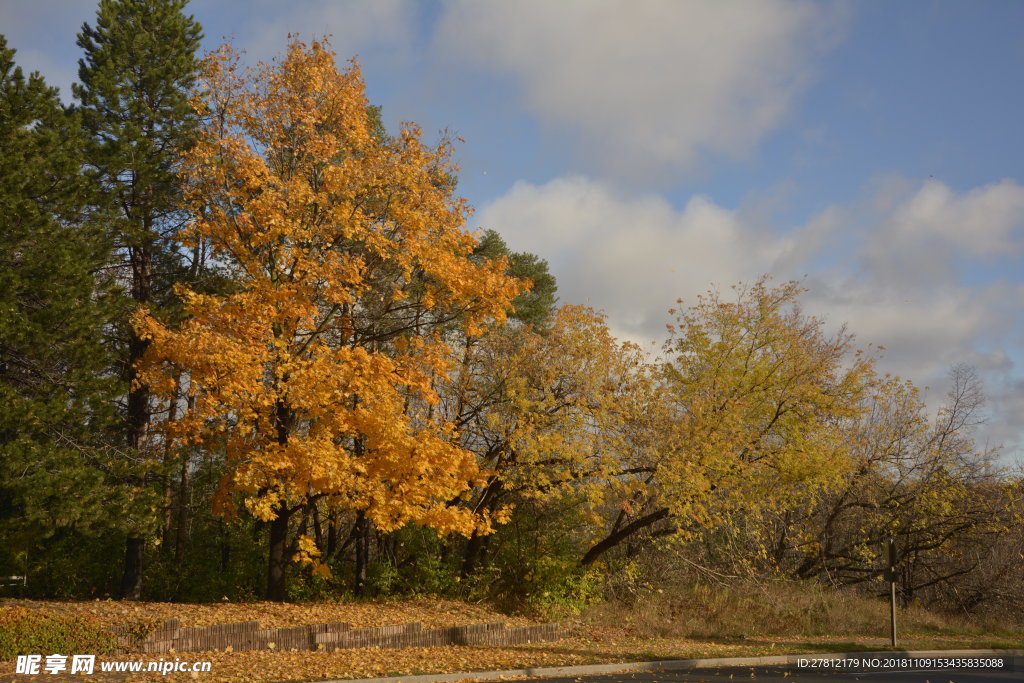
892 590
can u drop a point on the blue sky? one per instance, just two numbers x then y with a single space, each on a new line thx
650 150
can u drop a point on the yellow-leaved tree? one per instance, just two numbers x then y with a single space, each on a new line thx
553 414
312 377
756 396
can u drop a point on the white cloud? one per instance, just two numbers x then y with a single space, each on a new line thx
1006 398
385 27
647 85
924 236
924 333
905 285
633 256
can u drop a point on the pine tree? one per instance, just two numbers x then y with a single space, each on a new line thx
135 78
535 306
55 389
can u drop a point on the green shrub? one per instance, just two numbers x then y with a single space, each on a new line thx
26 631
558 588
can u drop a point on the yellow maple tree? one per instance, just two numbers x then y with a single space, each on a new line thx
347 255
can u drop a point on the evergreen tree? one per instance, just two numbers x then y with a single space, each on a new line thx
55 389
138 67
535 306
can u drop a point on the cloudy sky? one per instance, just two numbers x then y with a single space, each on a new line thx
650 150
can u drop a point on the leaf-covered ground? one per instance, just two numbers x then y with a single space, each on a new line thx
431 613
587 645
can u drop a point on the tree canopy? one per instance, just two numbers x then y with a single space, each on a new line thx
314 374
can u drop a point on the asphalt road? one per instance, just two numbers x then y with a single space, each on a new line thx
775 674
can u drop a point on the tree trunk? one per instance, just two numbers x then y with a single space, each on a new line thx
138 393
182 535
469 559
225 548
276 590
318 531
362 532
131 581
168 520
172 416
489 500
138 408
332 534
278 537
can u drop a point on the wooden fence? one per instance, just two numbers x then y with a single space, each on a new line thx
248 635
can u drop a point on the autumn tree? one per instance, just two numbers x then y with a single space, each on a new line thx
135 76
313 376
755 395
922 482
549 411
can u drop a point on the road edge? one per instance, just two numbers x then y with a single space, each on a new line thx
1016 664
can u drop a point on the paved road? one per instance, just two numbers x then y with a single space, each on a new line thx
789 675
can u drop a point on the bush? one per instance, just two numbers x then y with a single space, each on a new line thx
558 588
27 631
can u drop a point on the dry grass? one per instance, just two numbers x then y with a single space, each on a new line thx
771 609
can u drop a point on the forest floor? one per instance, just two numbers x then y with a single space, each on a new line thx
591 641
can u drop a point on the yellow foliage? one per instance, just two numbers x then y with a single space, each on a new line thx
313 373
557 409
760 398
